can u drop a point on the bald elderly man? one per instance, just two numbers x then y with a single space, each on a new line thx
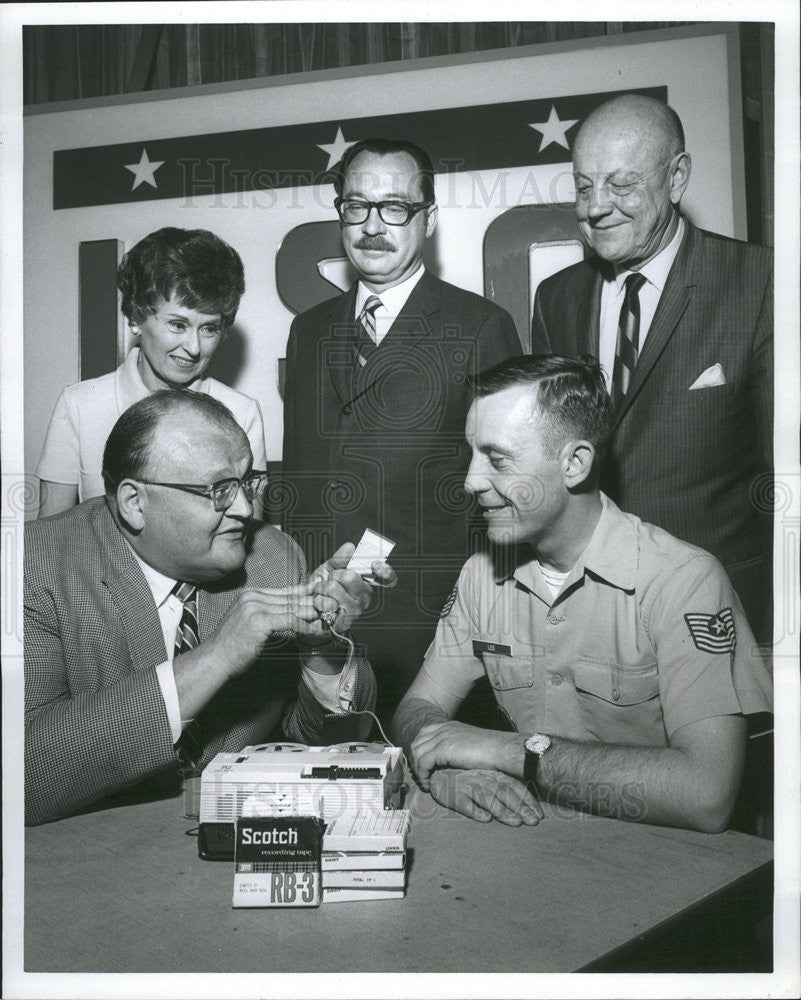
682 322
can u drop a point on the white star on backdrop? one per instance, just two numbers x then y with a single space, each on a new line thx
554 130
144 170
336 149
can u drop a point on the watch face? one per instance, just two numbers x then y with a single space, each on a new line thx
538 743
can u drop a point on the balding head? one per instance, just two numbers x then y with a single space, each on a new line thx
631 171
151 430
161 458
644 119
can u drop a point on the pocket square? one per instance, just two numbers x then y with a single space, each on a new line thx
712 376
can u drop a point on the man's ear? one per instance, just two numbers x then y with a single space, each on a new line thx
680 169
431 220
131 503
578 458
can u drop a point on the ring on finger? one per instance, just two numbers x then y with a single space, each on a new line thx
329 618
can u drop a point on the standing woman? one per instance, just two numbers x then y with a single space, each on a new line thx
180 293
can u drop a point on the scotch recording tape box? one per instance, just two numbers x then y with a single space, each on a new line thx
290 779
277 861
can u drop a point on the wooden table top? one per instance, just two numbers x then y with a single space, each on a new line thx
123 890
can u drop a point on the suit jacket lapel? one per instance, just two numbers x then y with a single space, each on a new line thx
342 332
128 588
411 326
675 298
588 314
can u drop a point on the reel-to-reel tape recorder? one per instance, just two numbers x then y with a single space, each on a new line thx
291 779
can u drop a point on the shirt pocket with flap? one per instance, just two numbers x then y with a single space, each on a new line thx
619 704
507 672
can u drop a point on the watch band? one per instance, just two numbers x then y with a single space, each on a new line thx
530 765
535 746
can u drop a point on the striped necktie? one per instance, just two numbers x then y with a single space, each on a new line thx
186 636
365 343
628 339
190 745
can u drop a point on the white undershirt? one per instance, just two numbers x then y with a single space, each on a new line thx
392 301
655 271
333 691
553 578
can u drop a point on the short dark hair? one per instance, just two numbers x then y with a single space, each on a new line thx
385 147
571 397
129 445
202 271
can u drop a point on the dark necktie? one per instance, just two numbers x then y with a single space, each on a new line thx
365 342
628 339
186 637
190 745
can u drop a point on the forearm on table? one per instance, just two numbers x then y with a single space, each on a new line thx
412 714
660 785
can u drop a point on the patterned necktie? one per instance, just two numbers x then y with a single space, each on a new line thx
186 637
365 343
190 745
628 339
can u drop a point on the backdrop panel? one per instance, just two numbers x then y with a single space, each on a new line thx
251 165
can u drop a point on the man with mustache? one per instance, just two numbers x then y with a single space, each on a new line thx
376 398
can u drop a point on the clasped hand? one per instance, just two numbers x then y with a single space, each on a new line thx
332 587
454 744
465 769
260 611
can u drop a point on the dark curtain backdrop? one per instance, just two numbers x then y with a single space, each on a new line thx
68 62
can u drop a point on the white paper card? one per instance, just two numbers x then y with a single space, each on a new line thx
371 547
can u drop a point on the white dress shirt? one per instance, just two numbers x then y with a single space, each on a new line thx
655 272
170 610
392 301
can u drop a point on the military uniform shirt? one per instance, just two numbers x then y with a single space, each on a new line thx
645 636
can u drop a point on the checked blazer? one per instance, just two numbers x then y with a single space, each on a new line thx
382 446
696 462
95 720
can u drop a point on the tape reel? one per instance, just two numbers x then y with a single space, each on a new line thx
278 748
356 747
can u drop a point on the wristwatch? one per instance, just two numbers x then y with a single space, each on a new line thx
535 747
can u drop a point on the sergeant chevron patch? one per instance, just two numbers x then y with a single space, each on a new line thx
449 603
712 633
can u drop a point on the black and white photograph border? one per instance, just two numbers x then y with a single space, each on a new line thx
20 492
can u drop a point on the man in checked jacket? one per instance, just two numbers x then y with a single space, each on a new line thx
129 672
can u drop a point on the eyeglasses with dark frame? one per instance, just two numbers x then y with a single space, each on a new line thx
224 491
353 211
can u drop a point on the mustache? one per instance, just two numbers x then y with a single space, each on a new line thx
374 243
